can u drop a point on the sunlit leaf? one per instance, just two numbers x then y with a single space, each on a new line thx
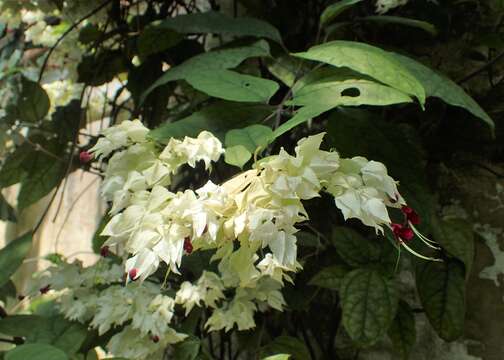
12 256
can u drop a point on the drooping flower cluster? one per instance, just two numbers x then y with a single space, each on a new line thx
248 222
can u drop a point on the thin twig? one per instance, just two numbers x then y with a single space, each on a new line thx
68 31
481 69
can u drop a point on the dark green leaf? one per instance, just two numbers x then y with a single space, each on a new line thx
12 256
399 20
457 238
7 213
35 352
353 248
329 277
367 60
439 86
441 289
15 167
102 68
286 345
230 85
89 34
209 61
217 118
402 332
187 349
155 38
7 290
369 303
332 11
33 103
219 23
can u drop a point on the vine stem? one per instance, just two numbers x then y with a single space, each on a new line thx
68 31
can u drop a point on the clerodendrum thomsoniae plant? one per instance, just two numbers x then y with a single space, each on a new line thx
249 221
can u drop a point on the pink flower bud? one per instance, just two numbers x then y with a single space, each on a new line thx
85 157
133 274
188 248
411 215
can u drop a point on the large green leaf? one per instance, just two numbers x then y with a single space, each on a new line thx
237 155
399 20
333 10
367 60
441 289
439 86
353 248
230 85
12 256
287 345
346 91
45 175
209 61
7 213
217 118
33 103
457 238
35 352
15 167
402 332
369 303
65 335
329 277
219 23
155 38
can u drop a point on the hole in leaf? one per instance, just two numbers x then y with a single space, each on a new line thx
247 84
351 92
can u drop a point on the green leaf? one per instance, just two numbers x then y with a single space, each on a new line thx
14 168
96 70
12 256
35 352
187 349
402 332
7 213
347 90
217 118
209 61
89 34
332 11
287 345
441 289
287 68
277 357
65 335
45 175
33 103
439 86
457 238
233 86
237 155
399 20
7 290
251 137
369 303
219 23
353 248
367 60
301 116
329 277
155 38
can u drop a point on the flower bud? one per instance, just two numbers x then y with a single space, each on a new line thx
188 248
85 157
132 274
104 251
411 215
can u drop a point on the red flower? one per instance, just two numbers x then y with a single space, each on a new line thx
402 233
85 157
188 248
133 274
104 251
45 289
411 215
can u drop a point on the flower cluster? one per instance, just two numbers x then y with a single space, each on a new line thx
383 6
248 223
